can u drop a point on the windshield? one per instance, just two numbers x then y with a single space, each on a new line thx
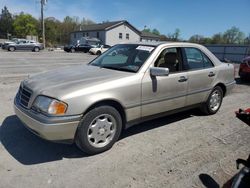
124 57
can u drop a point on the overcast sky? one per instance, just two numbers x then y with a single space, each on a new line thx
205 17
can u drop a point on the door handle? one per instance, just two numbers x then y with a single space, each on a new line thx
182 79
211 74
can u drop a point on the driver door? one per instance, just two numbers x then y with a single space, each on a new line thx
165 93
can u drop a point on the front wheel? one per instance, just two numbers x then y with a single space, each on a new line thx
213 103
98 130
36 49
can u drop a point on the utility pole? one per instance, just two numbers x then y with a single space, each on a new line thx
43 2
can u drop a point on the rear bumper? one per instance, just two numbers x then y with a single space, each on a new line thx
59 129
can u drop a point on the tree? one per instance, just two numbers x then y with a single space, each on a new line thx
6 21
196 39
53 31
86 21
69 25
25 24
146 30
218 39
234 35
156 32
174 36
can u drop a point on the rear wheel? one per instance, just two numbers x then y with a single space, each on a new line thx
12 48
213 103
99 129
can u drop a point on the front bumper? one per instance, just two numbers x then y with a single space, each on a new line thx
59 129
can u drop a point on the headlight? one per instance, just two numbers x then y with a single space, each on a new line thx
49 105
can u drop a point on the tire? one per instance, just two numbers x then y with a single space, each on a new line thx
98 53
12 49
214 101
36 49
72 50
98 130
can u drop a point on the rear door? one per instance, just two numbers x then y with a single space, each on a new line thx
201 75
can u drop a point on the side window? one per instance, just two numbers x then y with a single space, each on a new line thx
207 62
196 59
170 58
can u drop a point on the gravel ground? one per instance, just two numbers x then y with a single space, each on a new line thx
174 151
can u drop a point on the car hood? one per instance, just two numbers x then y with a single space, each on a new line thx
60 82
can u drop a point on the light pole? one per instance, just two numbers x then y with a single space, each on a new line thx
43 2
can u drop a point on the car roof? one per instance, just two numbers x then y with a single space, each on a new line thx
169 43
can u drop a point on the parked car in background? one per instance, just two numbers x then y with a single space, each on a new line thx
25 45
12 41
91 104
244 70
99 49
78 48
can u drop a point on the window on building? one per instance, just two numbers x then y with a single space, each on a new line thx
97 34
120 35
127 36
83 34
87 34
74 35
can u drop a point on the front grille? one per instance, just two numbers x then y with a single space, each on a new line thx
24 95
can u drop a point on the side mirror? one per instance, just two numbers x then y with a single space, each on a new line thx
159 71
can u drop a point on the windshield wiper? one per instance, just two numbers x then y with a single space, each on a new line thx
118 68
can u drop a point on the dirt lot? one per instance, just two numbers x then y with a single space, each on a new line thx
169 152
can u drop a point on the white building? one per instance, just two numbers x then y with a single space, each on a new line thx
112 33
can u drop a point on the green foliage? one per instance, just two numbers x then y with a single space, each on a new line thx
146 30
175 36
156 32
234 35
25 24
53 31
230 36
6 22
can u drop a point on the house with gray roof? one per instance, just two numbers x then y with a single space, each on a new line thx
112 33
147 36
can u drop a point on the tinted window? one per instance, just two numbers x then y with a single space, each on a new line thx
196 59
